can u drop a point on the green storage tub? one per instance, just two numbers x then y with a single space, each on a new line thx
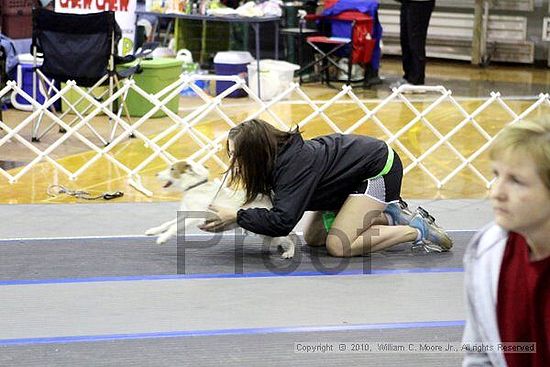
157 74
72 96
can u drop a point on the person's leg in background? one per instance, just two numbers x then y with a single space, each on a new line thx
404 38
3 78
417 20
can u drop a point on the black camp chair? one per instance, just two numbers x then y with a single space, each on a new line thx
79 47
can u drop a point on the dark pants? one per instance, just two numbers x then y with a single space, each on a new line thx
414 21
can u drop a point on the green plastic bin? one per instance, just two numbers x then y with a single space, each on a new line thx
72 96
157 74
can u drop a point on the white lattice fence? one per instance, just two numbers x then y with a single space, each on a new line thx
208 147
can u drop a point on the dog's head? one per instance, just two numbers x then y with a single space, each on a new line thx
183 175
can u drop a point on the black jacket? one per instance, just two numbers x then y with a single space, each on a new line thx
316 174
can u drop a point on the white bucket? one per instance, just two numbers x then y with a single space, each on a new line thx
275 77
184 55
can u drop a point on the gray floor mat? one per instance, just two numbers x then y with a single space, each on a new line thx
238 350
75 258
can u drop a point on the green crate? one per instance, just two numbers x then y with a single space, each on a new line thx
157 74
100 94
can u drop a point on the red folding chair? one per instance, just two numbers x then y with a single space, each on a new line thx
357 45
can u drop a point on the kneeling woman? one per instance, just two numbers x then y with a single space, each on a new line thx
358 177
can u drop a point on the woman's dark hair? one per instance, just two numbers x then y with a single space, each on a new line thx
255 145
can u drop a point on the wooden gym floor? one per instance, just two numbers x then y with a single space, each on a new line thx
471 86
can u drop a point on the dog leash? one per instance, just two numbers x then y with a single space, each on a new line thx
196 184
55 190
219 188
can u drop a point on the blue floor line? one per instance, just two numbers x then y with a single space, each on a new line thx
250 331
193 236
134 278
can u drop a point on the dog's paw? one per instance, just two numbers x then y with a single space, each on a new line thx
162 239
153 231
288 253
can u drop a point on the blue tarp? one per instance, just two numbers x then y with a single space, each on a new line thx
11 53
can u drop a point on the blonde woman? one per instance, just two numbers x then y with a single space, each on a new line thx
507 264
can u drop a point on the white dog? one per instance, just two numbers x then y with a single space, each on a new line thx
198 192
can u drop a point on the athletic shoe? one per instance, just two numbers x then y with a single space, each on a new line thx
431 235
399 213
426 215
416 89
398 83
421 246
402 215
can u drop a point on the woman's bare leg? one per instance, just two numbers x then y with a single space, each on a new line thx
361 227
315 233
378 238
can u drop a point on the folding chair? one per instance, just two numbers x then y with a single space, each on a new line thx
295 37
349 35
79 47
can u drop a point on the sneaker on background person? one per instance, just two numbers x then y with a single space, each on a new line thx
398 83
404 82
